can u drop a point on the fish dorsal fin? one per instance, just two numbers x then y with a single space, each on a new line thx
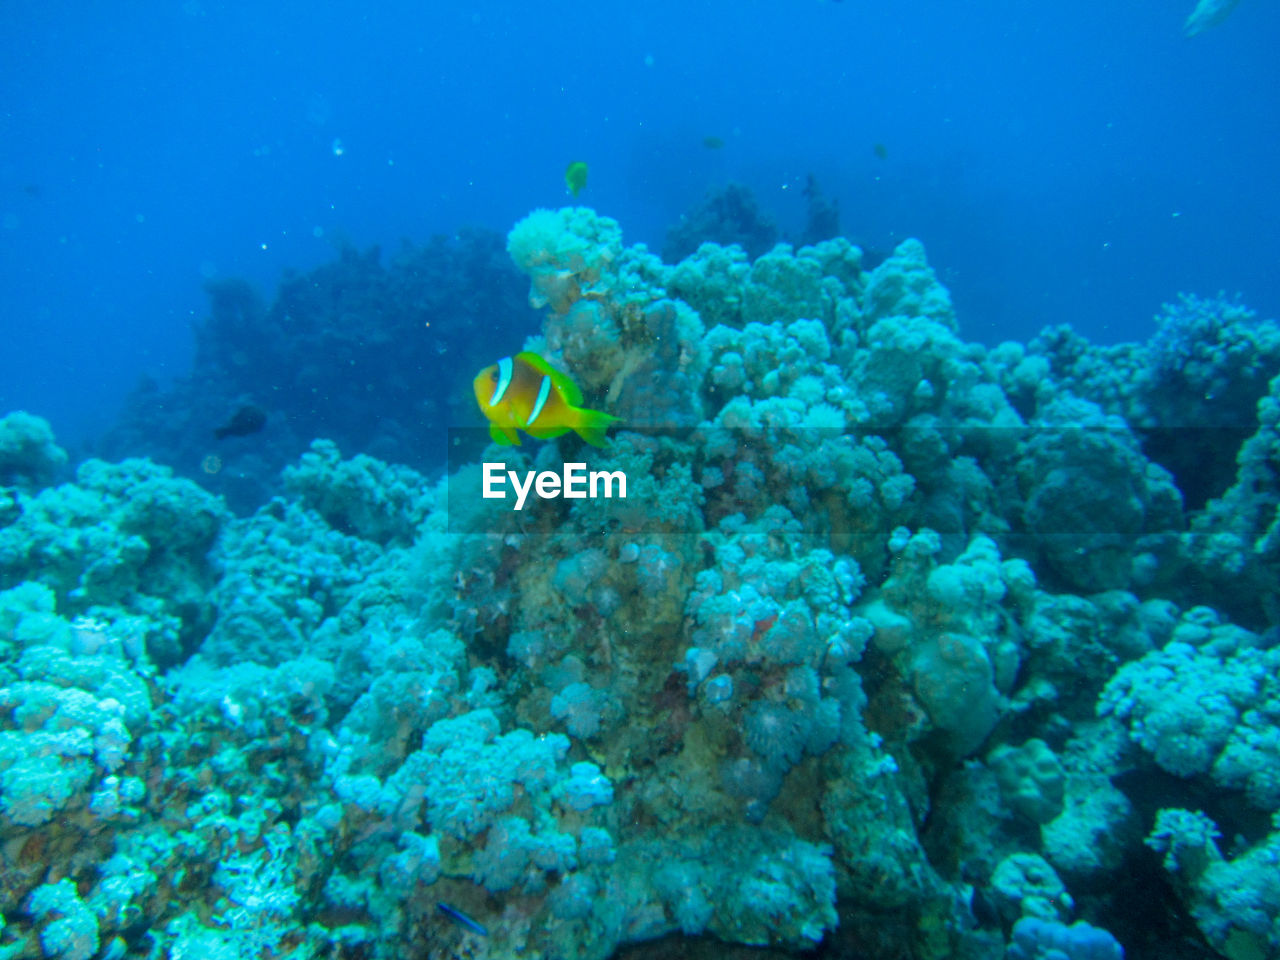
568 389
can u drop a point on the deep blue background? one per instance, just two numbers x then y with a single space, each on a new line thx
1063 162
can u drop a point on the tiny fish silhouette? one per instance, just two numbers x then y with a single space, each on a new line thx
248 419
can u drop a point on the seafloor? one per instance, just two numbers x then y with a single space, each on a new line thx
898 646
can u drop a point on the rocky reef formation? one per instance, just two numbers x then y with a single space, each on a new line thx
897 642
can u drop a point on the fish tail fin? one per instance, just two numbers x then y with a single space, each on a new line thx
591 426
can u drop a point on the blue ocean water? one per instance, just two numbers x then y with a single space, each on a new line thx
1075 163
845 525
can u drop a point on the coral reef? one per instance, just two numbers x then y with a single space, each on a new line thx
29 458
728 216
897 644
374 356
822 217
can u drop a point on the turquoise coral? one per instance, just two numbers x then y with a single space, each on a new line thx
886 630
29 456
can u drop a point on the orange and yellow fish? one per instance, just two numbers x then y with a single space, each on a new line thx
526 393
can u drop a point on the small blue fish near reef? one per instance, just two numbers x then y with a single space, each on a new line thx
526 393
461 919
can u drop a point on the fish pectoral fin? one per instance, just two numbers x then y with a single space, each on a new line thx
504 436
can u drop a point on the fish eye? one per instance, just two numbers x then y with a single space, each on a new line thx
494 376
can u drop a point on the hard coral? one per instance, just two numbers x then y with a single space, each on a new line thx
29 457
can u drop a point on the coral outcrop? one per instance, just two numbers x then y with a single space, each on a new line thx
896 642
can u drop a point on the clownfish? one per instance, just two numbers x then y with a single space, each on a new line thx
526 393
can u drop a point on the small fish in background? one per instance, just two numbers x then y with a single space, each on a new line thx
461 919
881 151
712 142
575 177
247 420
1208 13
526 393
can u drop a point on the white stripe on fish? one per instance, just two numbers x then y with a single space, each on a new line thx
544 391
504 380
